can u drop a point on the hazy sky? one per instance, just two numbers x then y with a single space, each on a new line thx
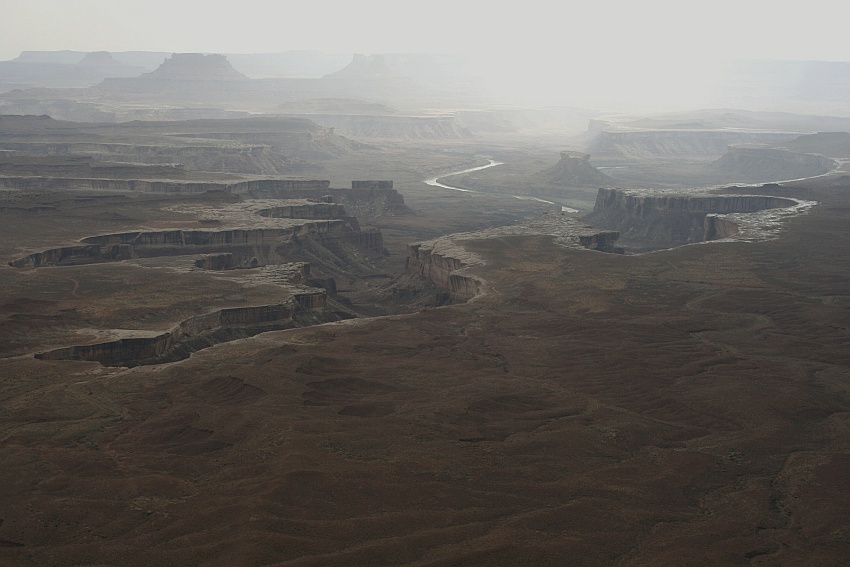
546 46
610 30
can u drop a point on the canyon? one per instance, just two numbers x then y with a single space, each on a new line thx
625 344
203 331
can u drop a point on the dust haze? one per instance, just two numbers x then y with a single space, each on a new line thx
443 284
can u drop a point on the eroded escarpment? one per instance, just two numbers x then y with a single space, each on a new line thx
271 241
375 198
662 219
196 333
274 245
444 261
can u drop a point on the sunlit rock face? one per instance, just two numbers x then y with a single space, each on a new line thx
441 263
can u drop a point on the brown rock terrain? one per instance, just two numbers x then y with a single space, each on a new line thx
686 407
570 407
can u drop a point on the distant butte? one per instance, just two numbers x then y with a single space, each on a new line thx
196 66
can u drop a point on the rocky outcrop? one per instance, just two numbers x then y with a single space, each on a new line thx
247 247
603 241
196 67
256 159
368 239
372 199
442 268
199 332
717 227
444 261
213 238
659 219
74 255
575 170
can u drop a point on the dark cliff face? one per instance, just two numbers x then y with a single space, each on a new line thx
442 270
443 263
203 331
660 221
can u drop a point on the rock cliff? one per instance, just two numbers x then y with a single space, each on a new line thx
324 227
574 170
374 199
196 67
199 332
251 246
441 263
664 219
445 261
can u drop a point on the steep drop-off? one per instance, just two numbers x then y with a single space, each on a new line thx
657 220
203 331
444 261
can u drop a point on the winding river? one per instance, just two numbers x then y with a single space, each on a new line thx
435 183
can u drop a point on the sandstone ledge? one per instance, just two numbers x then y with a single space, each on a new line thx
444 261
302 309
663 218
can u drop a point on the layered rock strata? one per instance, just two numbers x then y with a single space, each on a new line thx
659 218
374 198
574 169
196 333
277 230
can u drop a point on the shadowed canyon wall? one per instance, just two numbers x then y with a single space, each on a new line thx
442 269
203 331
663 220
